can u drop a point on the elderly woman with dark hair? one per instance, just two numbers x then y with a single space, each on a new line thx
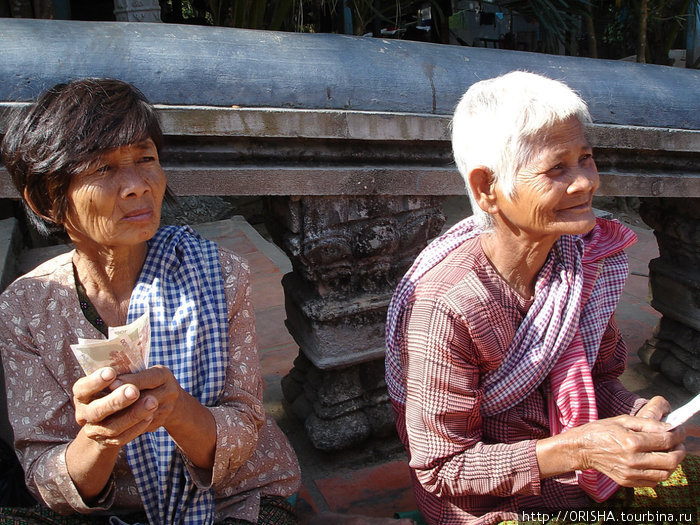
503 354
184 441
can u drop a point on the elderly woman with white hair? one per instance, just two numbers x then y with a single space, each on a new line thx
503 354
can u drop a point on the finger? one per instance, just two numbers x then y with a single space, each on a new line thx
150 378
680 433
651 465
86 388
120 422
99 409
656 408
642 424
109 436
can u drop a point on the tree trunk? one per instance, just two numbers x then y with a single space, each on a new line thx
642 42
590 29
21 8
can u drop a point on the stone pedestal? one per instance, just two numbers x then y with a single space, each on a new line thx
137 10
675 286
348 254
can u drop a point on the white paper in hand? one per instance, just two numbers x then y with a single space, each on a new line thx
126 349
684 413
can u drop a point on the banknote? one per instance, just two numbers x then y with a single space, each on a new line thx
684 413
126 348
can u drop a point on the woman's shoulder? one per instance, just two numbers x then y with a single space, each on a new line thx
608 237
461 269
45 290
57 270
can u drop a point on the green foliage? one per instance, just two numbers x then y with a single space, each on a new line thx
555 17
249 14
613 24
617 25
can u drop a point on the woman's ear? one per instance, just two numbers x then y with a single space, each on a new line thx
29 202
482 187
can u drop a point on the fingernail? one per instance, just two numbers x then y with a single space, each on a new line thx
130 392
150 404
107 374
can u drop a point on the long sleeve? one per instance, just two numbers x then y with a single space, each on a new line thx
40 316
443 421
38 320
252 455
239 414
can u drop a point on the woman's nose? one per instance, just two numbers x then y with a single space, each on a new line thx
585 179
133 181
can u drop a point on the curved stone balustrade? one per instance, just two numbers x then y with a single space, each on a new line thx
212 66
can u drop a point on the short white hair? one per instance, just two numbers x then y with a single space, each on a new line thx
498 122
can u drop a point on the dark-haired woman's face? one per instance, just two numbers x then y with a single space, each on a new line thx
116 201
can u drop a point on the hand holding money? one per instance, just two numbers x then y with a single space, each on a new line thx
126 348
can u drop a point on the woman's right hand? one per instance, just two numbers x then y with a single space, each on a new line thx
633 451
111 413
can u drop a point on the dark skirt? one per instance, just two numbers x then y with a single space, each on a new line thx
274 510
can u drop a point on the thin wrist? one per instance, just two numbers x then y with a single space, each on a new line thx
559 454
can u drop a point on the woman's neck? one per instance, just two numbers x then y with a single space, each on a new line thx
517 258
108 277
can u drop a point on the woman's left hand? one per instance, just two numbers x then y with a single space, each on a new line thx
187 421
656 408
158 385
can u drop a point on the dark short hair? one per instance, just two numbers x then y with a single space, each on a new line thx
65 129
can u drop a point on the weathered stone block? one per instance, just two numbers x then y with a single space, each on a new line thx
342 432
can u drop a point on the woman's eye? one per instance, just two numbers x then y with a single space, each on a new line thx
147 158
102 169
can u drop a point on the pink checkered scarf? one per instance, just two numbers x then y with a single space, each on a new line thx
576 293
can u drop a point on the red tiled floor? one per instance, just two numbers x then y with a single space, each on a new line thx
277 362
266 290
377 491
270 326
637 286
260 264
236 241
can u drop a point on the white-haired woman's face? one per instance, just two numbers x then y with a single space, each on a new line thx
554 193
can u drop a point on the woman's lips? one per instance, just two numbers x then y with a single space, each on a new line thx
584 206
139 215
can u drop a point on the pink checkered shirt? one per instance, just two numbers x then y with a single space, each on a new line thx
466 404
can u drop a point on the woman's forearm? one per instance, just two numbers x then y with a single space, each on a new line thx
90 465
194 431
557 455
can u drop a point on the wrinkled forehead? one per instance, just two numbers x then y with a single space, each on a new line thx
560 138
140 141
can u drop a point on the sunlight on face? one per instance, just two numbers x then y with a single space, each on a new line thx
554 193
117 200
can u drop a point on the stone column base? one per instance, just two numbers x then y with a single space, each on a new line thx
348 254
674 278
